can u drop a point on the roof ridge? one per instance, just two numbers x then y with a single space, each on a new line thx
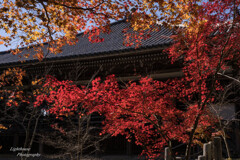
5 52
111 24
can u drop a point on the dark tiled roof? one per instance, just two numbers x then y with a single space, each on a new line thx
113 42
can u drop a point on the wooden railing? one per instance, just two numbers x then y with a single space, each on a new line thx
211 151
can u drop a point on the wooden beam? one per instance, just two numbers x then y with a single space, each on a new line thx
157 76
85 57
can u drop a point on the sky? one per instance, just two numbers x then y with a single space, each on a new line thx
15 43
2 47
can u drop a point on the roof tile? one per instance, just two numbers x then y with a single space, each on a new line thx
112 42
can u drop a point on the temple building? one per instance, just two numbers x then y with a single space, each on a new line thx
84 60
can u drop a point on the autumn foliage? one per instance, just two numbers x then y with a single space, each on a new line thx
10 83
147 110
207 48
58 22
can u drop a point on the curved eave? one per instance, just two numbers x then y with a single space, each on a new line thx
91 56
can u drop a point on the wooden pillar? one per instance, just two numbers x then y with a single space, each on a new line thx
236 72
237 138
237 128
15 140
40 148
167 154
217 148
129 148
207 151
201 158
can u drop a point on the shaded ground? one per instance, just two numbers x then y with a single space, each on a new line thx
116 157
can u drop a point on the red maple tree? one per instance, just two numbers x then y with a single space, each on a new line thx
148 110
